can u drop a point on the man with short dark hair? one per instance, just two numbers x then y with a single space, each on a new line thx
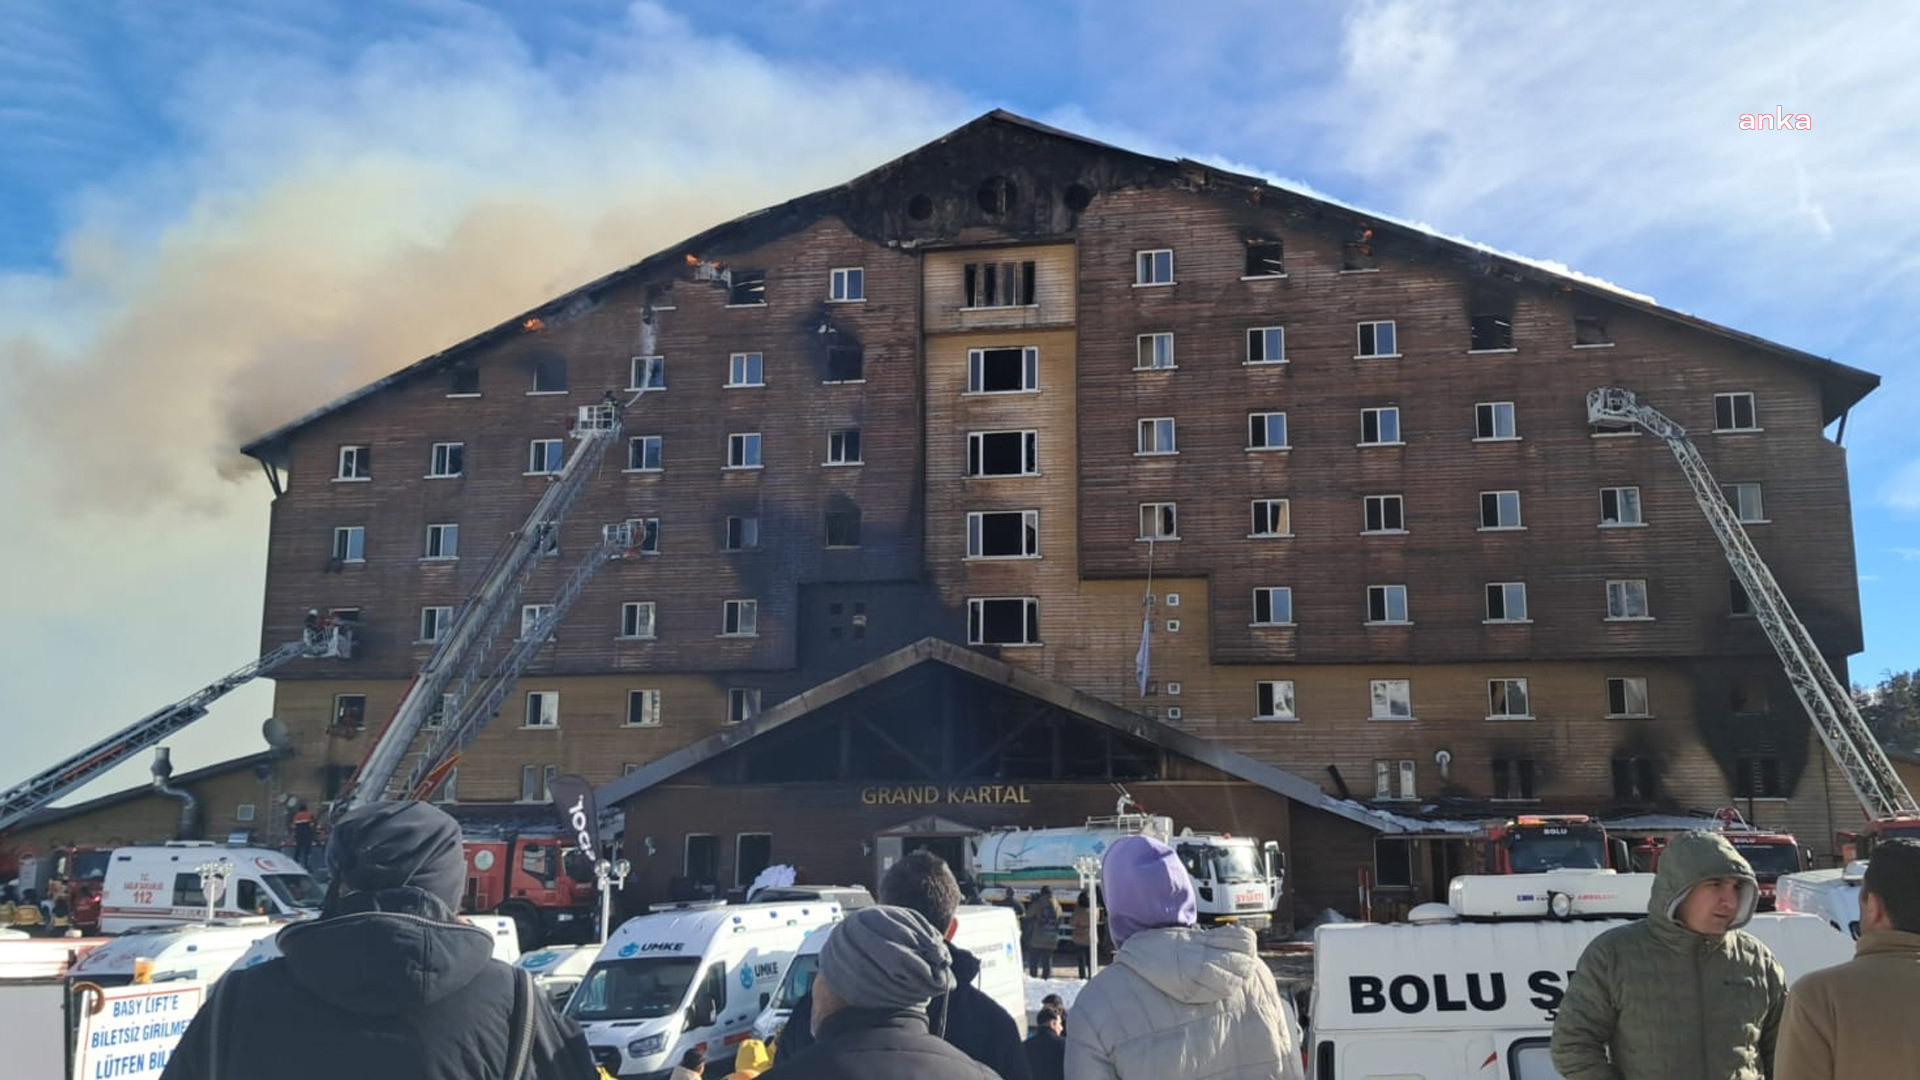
1046 1047
1856 1020
966 1017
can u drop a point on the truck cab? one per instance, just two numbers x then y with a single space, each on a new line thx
545 886
1540 842
1772 856
1859 846
1234 878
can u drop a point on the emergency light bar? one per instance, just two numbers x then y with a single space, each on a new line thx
1559 894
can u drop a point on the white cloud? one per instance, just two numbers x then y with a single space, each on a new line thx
321 226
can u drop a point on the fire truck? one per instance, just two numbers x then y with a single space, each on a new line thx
1859 845
535 878
1537 843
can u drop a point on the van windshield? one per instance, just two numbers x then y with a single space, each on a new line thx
1534 853
1770 860
798 981
296 890
644 988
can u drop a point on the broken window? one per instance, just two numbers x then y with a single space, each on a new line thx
1273 606
1003 371
1734 412
1739 601
647 373
1512 778
1379 426
1500 510
1272 517
743 533
846 363
530 616
1003 453
1159 521
1392 699
549 375
847 285
1376 339
740 618
1153 352
743 450
636 619
465 381
1387 603
1757 776
1506 601
1627 697
1266 345
1263 258
543 711
1004 621
643 707
643 453
1494 420
1490 323
350 543
999 284
1633 779
1627 600
1273 700
1620 506
843 528
350 711
1356 252
743 704
1267 431
646 534
843 446
747 288
1507 699
1156 436
1590 330
356 463
745 369
1010 534
1385 513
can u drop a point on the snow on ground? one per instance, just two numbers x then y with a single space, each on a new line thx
1068 989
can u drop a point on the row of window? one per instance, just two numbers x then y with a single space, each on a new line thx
1507 699
542 709
1635 778
645 453
1499 510
642 537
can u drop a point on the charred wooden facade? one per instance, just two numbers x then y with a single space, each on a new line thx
1051 348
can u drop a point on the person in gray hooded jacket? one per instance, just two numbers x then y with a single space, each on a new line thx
387 984
1177 1001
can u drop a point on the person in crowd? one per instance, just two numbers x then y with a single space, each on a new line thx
304 833
692 1064
1046 1047
1848 1021
1177 1000
973 1022
1083 934
387 984
881 971
1042 933
750 1060
1684 994
1054 1002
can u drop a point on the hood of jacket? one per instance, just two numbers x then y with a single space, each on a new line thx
1192 965
966 966
391 951
1689 860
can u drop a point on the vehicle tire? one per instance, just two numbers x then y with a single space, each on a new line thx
526 923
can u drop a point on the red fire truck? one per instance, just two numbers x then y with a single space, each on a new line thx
536 879
1860 845
1771 854
1539 842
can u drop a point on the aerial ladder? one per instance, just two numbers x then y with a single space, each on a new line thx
455 684
1828 702
321 639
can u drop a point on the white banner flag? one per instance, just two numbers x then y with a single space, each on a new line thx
1140 658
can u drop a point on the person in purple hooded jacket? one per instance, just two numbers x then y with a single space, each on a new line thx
1177 1000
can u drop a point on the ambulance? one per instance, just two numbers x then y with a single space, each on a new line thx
160 886
694 976
1468 989
991 933
197 953
557 969
502 929
1833 895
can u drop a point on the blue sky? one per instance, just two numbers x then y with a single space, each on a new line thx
215 214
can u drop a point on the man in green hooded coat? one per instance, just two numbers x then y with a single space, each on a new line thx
1684 995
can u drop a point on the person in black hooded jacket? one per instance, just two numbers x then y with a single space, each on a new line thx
966 1017
387 984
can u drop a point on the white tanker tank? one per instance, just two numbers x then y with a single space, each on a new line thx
1234 877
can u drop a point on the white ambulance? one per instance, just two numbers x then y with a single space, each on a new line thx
505 935
1446 997
1833 895
160 886
695 976
195 953
991 933
558 969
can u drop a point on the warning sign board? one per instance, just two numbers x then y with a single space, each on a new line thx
133 1031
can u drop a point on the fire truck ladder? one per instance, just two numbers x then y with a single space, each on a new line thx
23 800
457 662
462 722
1827 701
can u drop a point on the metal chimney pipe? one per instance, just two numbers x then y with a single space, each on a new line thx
189 806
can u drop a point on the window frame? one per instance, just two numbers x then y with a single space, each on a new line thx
1270 689
1147 442
447 535
1029 448
976 534
1506 616
738 445
1271 593
1733 399
1023 293
740 532
1627 591
551 367
743 704
743 615
443 615
653 367
648 698
343 537
847 285
1619 504
527 623
1029 621
555 458
1627 683
1247 264
1285 515
838 440
1734 495
446 453
1505 692
1370 328
544 697
656 443
1374 699
338 718
1266 418
746 369
361 469
1153 352
648 529
843 514
1386 606
1378 414
1396 501
630 626
747 283
1147 265
1493 416
1261 334
977 370
1499 504
1162 514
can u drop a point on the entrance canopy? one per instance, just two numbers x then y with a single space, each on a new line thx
936 713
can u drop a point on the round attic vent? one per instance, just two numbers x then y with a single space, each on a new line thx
1078 197
920 207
